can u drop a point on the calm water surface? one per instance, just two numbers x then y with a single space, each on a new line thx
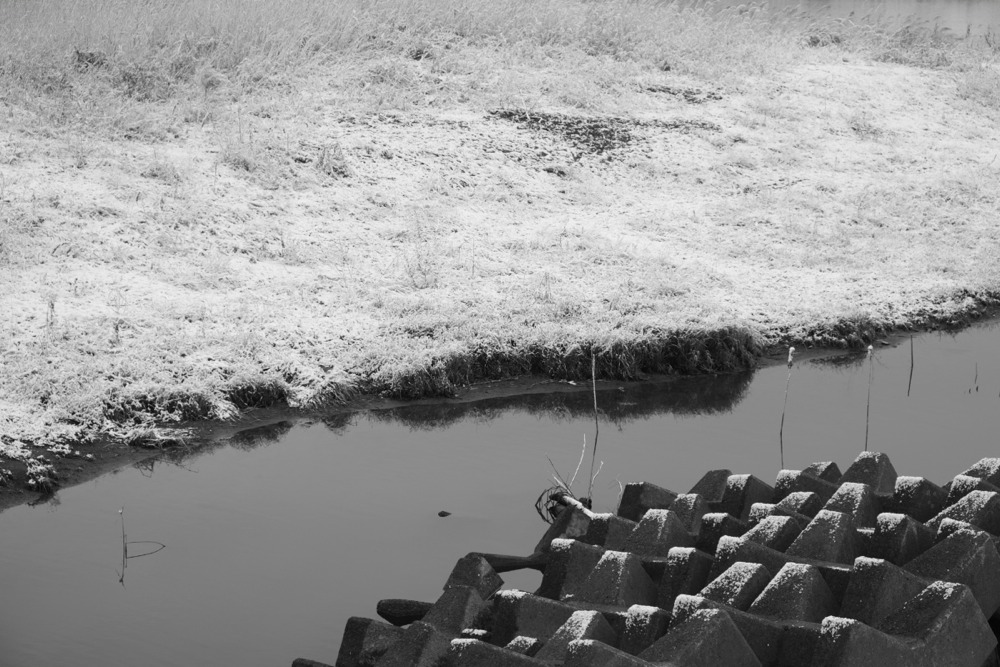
275 538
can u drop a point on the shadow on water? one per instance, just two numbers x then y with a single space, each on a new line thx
619 406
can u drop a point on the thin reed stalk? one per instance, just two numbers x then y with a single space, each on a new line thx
781 429
868 407
597 427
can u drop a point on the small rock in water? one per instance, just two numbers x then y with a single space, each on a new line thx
444 513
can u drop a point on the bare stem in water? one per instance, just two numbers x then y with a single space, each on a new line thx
597 426
868 407
781 429
909 385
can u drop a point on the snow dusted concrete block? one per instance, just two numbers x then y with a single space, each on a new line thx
705 638
796 481
825 470
690 508
760 511
828 537
618 580
874 469
365 641
571 524
593 653
916 497
644 624
712 485
458 607
899 538
738 586
979 508
516 613
776 532
775 643
528 646
716 525
640 497
581 625
570 563
421 645
609 531
797 592
658 533
742 491
940 627
732 549
686 572
474 653
858 500
963 485
987 469
964 557
877 589
805 503
475 572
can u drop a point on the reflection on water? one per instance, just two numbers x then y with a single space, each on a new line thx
276 536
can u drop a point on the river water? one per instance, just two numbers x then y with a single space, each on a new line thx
275 537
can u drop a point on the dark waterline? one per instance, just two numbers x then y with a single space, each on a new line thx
275 538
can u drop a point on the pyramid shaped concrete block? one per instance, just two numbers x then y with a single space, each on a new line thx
644 624
987 469
365 641
964 557
916 497
712 485
738 586
736 549
963 485
458 607
658 533
877 589
570 563
640 497
618 580
796 481
828 537
805 503
474 653
760 511
716 525
421 645
586 624
609 531
571 524
775 532
979 508
528 646
706 638
874 469
828 471
858 500
473 571
593 653
742 491
797 592
516 613
686 572
899 538
689 508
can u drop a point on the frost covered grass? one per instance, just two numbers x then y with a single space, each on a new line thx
211 207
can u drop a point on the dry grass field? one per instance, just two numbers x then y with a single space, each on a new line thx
207 207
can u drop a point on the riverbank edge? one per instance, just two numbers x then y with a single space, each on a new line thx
670 354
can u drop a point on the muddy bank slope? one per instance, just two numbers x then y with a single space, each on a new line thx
184 239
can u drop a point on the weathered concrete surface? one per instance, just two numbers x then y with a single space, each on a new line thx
823 570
